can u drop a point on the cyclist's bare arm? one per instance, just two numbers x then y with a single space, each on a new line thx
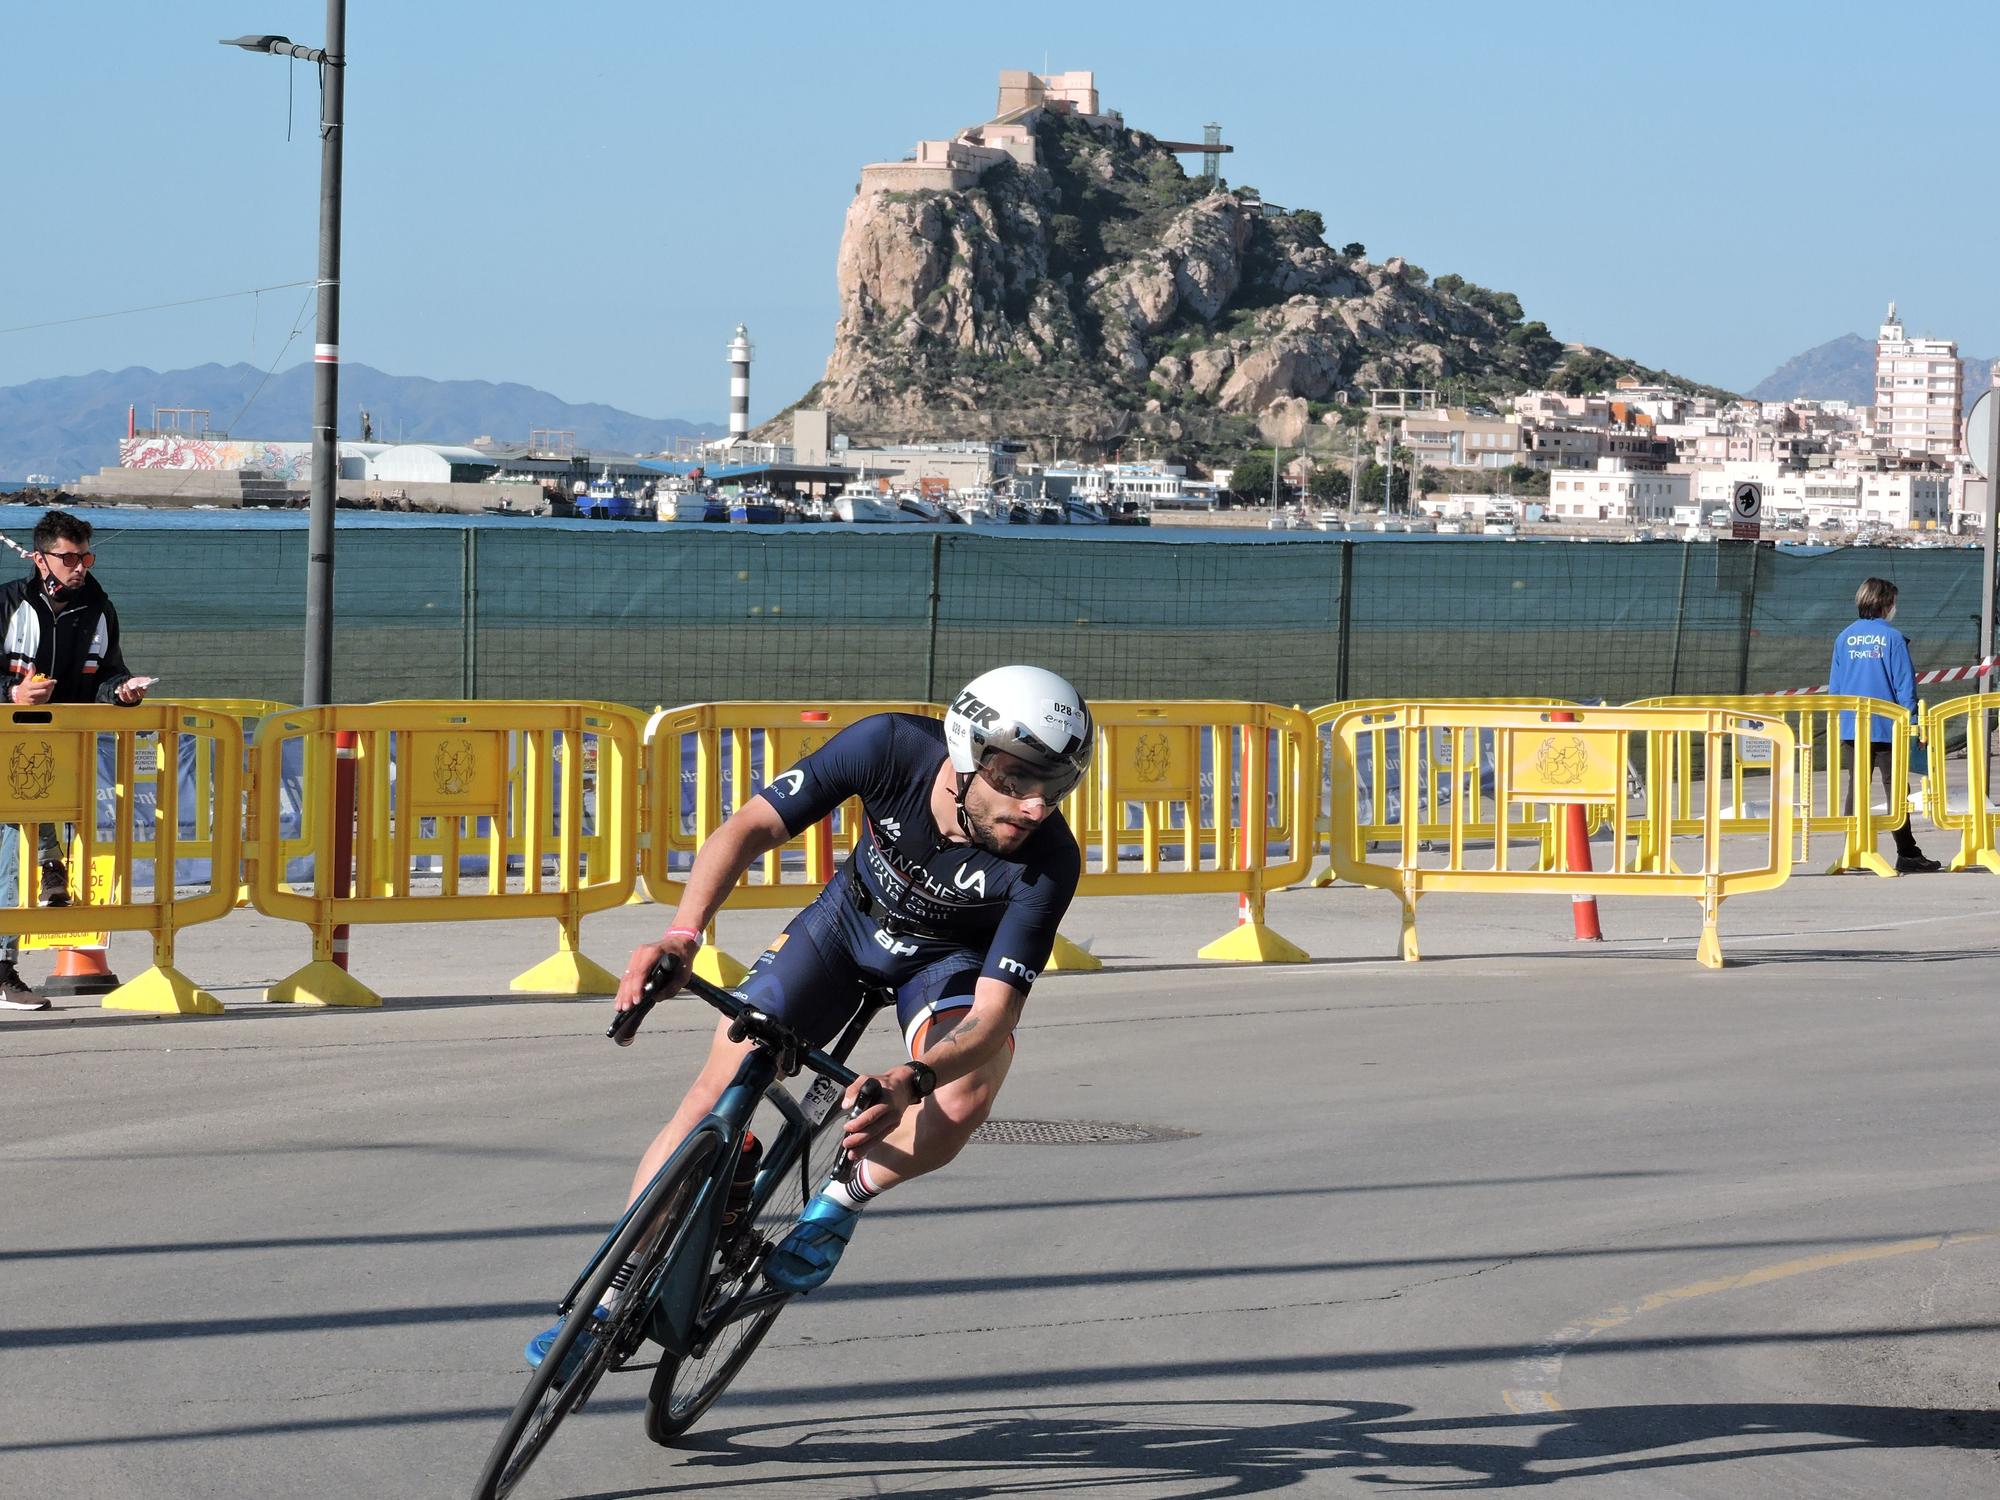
751 832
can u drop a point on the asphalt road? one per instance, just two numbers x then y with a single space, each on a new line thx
1524 1214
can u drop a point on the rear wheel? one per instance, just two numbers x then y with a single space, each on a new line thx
685 1388
649 1237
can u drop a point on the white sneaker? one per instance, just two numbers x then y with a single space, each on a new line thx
14 992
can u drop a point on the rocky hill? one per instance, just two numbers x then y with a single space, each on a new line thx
1104 294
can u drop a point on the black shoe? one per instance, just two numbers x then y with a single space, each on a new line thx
1915 864
14 992
55 883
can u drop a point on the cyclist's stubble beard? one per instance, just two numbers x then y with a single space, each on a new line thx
991 831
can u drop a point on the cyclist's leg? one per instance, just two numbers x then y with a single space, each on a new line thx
928 1136
801 979
931 1135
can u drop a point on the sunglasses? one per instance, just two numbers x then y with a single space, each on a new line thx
1024 786
71 559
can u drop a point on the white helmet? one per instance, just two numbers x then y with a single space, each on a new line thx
1031 714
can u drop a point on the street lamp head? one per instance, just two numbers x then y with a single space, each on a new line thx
253 43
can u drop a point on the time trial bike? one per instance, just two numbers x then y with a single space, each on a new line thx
696 1286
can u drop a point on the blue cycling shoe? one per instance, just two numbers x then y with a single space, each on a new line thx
538 1347
810 1252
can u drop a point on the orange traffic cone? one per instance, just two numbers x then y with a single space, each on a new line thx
81 971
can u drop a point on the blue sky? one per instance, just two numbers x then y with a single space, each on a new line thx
588 197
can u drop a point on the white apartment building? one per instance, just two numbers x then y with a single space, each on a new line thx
1613 492
1847 499
1453 438
1919 385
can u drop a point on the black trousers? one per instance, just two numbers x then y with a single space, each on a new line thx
1878 769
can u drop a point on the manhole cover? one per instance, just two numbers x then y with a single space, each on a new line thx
1072 1133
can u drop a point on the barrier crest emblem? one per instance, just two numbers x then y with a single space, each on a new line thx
453 768
31 770
1152 758
1563 760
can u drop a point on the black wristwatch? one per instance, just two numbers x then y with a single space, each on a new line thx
923 1079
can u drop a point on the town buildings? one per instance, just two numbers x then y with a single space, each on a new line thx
1641 454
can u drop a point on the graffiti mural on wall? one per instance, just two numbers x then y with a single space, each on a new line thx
288 461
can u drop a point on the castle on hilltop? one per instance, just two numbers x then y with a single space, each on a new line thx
949 165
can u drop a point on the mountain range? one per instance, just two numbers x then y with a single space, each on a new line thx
70 425
1843 369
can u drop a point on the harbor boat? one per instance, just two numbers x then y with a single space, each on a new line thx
758 509
1122 511
914 507
602 500
1293 519
977 506
867 508
1077 511
692 505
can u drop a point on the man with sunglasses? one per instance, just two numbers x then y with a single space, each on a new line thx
961 872
58 644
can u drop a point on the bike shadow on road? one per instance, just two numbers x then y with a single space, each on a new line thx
1197 1450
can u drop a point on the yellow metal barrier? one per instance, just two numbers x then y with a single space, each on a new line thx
1540 761
249 713
1440 782
53 776
502 784
1966 810
1201 797
705 760
1823 776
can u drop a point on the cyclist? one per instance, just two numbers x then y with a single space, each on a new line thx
962 872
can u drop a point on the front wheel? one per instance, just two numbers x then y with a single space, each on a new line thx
686 1387
652 1233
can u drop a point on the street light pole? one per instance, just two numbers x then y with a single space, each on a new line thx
332 61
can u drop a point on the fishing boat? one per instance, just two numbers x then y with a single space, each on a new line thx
866 508
602 500
757 510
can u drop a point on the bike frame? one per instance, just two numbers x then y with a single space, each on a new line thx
675 1320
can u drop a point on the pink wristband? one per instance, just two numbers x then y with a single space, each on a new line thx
686 932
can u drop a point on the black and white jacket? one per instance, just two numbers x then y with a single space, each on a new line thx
78 648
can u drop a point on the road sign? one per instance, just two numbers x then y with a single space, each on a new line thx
1979 432
1746 511
1982 446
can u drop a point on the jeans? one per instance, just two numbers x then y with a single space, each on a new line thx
48 847
1878 767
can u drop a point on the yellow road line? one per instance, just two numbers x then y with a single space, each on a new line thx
1538 1373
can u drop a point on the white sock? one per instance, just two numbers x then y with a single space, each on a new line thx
857 1191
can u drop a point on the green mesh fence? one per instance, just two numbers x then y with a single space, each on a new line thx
673 614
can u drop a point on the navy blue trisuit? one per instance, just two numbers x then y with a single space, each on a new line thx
910 910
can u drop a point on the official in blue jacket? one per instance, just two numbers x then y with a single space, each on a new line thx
1871 659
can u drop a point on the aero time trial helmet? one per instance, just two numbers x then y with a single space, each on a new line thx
1030 714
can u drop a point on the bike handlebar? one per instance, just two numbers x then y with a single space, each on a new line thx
745 1019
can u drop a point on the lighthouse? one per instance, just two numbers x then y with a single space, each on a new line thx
739 386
